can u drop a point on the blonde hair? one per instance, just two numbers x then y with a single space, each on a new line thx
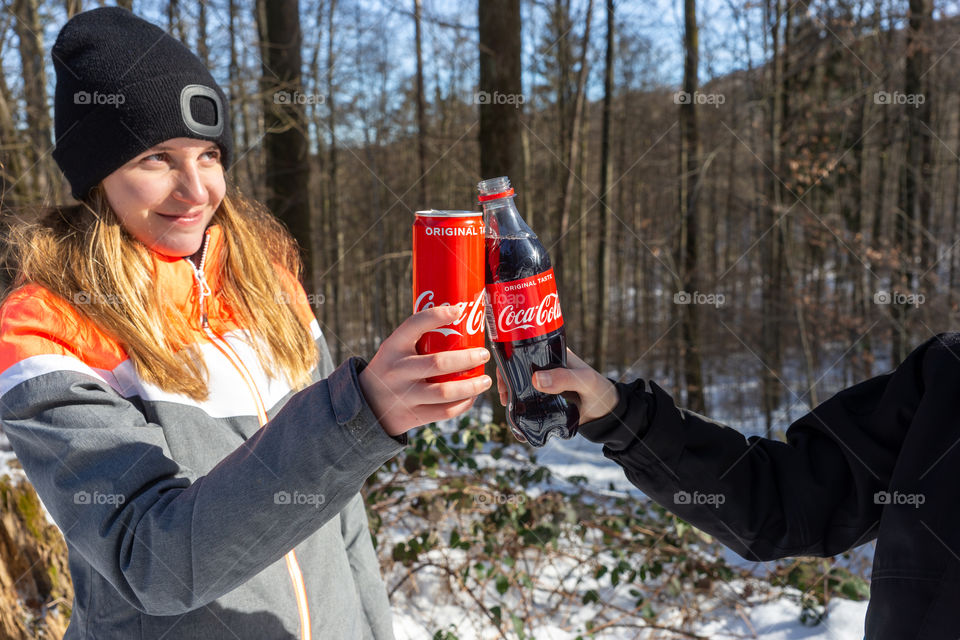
83 250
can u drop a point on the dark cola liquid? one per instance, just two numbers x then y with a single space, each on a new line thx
533 416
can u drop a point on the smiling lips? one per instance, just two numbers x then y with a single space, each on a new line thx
182 216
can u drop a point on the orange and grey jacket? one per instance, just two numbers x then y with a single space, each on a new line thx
235 517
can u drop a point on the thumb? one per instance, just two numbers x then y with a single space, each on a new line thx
554 381
427 320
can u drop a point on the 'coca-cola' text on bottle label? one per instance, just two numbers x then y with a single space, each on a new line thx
523 309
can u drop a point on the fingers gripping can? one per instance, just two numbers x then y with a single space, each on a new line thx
448 255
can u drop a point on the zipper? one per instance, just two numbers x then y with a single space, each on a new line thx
293 566
201 280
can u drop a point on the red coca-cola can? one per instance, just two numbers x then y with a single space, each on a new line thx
448 254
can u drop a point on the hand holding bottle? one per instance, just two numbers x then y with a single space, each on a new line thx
595 395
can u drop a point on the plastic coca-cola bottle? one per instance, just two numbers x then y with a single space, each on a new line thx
523 318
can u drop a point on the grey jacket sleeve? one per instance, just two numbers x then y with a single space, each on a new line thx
366 569
167 544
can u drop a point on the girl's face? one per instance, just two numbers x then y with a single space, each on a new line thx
166 196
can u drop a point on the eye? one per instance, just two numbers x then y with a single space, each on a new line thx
160 156
213 154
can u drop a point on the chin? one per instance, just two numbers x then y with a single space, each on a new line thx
180 249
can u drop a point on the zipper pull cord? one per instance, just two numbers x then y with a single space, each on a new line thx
204 293
201 280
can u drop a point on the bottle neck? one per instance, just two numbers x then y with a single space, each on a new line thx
503 220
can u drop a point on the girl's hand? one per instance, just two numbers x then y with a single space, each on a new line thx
595 395
395 385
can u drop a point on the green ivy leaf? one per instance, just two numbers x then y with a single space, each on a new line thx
411 464
518 626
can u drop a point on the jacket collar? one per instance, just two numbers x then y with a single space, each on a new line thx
176 277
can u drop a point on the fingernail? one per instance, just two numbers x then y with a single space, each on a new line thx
544 378
485 382
481 355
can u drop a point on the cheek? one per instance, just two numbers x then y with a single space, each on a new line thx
131 197
217 188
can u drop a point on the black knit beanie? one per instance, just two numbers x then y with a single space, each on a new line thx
123 86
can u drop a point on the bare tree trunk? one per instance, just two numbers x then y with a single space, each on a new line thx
501 152
914 200
322 241
606 180
333 203
203 51
530 205
12 186
286 140
689 223
574 144
583 252
772 313
628 320
73 7
174 20
954 220
861 297
238 99
421 112
30 34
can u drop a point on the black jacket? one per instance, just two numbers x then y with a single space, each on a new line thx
877 460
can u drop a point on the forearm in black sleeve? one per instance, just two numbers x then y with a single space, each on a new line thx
811 495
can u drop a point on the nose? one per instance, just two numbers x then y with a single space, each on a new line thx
190 187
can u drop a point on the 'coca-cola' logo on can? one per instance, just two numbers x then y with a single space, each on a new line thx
470 319
523 309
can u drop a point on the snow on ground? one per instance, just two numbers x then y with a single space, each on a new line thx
421 615
780 620
418 618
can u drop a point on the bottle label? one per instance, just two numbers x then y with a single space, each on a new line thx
523 309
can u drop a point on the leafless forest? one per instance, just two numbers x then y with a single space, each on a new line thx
764 193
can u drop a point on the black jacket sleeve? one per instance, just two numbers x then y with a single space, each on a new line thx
818 493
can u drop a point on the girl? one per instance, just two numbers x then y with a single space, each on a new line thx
166 387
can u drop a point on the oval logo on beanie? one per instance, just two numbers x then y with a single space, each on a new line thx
207 106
